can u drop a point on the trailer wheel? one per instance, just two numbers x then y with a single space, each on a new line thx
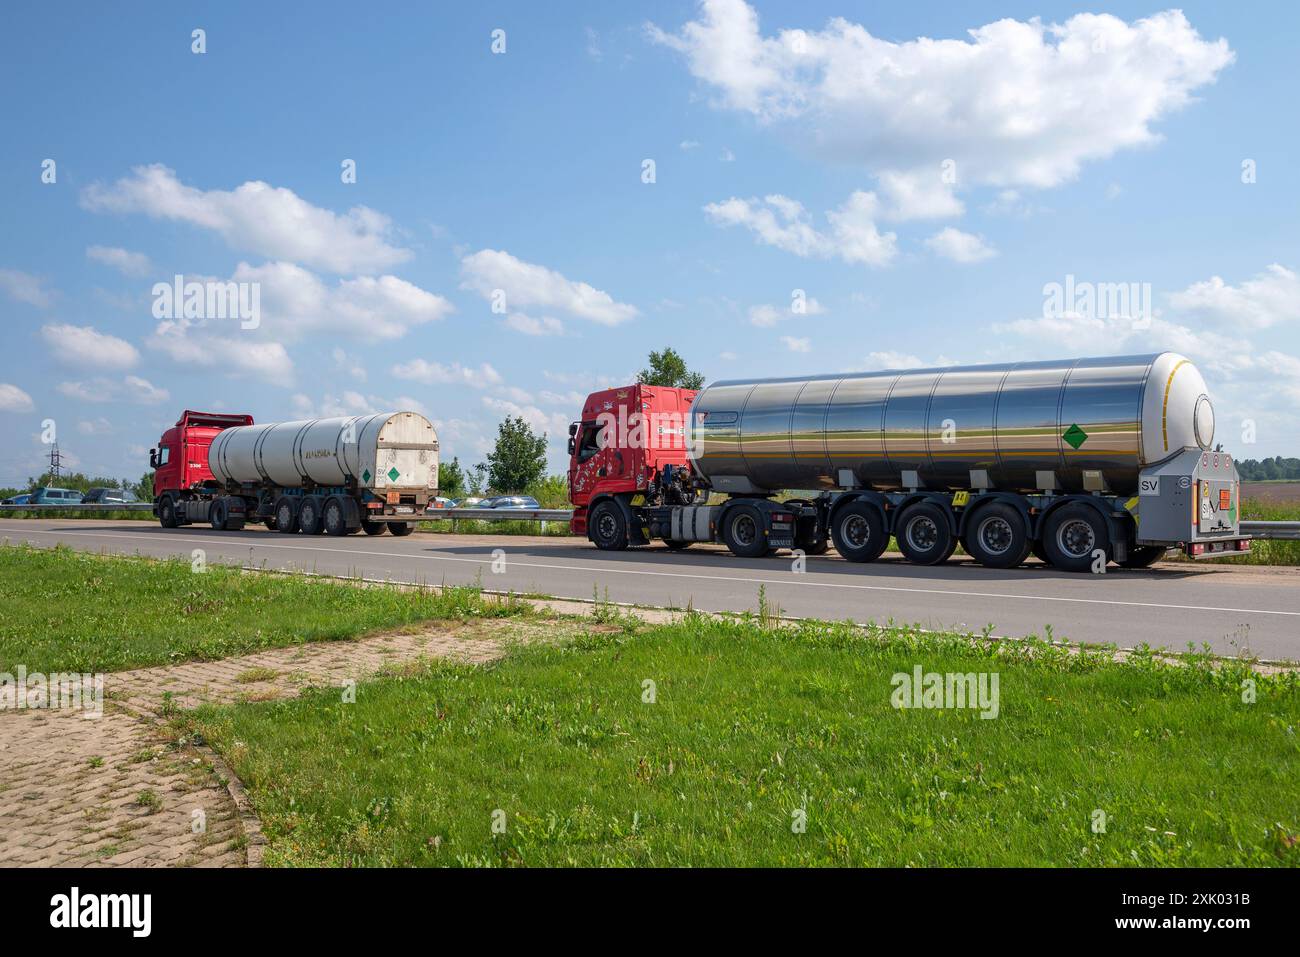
859 533
1072 534
286 516
1143 556
335 517
607 528
167 512
742 531
401 529
309 516
373 528
997 537
923 534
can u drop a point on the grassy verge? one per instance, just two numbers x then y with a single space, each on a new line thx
753 730
515 527
72 611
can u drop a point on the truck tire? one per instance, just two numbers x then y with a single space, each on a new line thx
286 515
309 515
1143 556
742 531
401 529
923 534
859 533
607 528
335 517
167 512
997 537
373 528
218 514
1070 536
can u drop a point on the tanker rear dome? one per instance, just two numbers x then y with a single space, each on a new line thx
1115 414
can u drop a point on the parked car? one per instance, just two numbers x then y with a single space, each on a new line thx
473 501
17 500
510 501
105 496
55 496
441 502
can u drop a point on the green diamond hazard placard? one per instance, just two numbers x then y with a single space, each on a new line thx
365 476
1075 436
393 473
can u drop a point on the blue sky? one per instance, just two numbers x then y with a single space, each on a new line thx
920 194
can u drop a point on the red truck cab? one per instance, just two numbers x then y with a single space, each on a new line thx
181 459
624 442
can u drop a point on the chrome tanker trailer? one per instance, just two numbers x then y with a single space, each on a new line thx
336 475
1079 461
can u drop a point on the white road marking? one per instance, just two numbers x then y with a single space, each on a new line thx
719 578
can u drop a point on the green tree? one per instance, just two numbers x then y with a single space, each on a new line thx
451 479
551 491
519 458
667 368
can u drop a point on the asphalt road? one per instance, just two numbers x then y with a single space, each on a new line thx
1168 606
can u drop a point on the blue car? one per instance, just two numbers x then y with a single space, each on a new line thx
55 496
17 500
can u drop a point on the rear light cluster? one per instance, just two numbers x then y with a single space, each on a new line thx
1213 548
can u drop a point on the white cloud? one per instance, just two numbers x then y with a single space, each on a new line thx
188 343
351 402
890 359
25 288
918 196
347 364
960 247
797 344
86 346
123 260
269 221
782 222
296 302
99 426
103 389
14 399
554 424
527 285
1017 103
765 316
435 373
530 326
1269 298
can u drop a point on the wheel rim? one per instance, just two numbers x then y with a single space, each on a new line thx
308 515
1076 538
606 526
283 516
996 535
922 533
744 530
333 517
856 531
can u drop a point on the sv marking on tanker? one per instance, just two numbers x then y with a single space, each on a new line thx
803 580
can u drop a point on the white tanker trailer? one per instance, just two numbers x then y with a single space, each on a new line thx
336 475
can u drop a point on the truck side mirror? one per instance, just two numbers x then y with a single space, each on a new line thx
573 445
153 458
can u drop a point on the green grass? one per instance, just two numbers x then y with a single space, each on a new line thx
465 526
751 724
72 611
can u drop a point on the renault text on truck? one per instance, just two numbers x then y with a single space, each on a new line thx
1079 462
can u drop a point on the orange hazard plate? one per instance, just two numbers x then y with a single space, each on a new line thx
394 498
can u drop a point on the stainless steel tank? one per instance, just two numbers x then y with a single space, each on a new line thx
387 450
1006 423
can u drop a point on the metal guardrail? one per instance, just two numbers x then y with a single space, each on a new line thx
433 514
1286 531
91 507
1289 531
